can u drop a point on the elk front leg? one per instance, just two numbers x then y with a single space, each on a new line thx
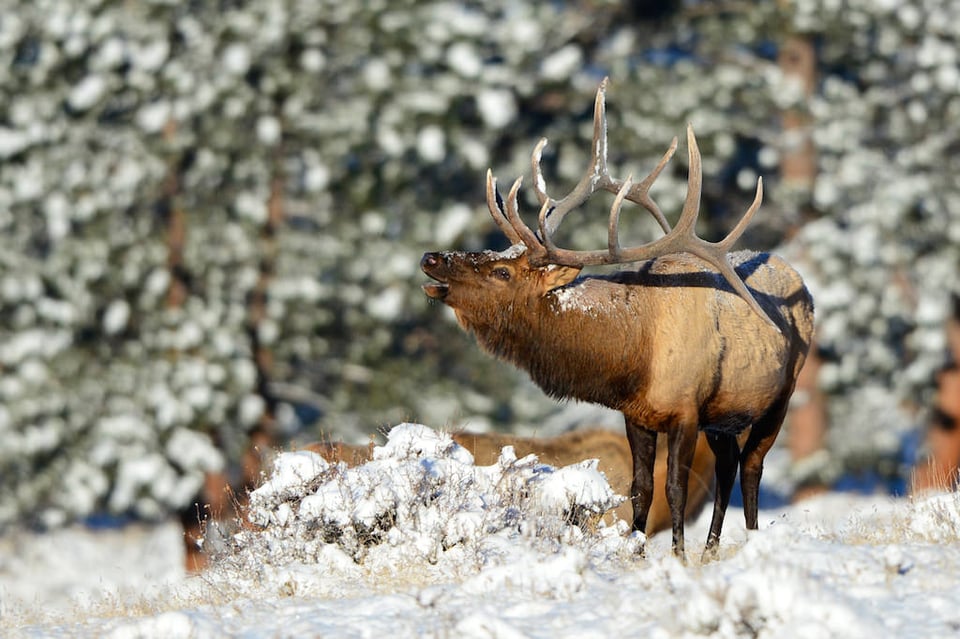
643 447
681 442
727 453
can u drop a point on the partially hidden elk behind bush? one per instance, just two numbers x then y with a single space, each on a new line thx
611 449
692 340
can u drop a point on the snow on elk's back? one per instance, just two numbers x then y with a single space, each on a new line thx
596 296
581 296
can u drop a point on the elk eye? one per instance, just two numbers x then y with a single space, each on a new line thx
501 273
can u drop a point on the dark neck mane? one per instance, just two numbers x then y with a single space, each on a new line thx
571 344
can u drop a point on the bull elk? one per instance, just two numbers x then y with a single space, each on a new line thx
611 449
695 339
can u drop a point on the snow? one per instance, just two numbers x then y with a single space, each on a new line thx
33 343
452 223
431 143
252 207
250 408
575 299
421 490
236 58
464 59
86 93
376 74
313 60
150 56
497 107
194 450
269 130
387 304
316 177
562 63
154 116
837 565
512 252
116 316
292 472
12 141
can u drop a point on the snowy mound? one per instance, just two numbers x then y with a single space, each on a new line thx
837 565
423 492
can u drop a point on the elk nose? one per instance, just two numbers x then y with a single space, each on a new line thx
430 260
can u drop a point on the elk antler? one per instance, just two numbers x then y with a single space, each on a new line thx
679 239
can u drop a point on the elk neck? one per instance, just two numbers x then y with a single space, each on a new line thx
582 341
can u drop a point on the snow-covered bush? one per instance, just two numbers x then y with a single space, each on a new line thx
422 495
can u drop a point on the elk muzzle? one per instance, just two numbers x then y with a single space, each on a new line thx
435 265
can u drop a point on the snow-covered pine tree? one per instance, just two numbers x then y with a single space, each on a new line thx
380 119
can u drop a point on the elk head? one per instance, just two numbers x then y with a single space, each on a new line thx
478 286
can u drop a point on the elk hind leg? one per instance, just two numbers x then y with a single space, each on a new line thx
761 439
727 453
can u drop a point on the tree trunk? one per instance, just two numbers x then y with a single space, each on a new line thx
798 159
263 437
806 437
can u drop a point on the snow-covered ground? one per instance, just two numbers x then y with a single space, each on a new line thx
420 542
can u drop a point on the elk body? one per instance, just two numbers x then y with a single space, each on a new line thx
611 449
695 339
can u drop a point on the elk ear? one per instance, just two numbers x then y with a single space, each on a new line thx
555 276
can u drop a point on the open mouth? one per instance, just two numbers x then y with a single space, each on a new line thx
436 290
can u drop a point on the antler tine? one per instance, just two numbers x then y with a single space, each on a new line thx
691 205
683 237
592 178
735 233
535 249
539 184
545 237
640 193
613 228
495 204
713 252
597 175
